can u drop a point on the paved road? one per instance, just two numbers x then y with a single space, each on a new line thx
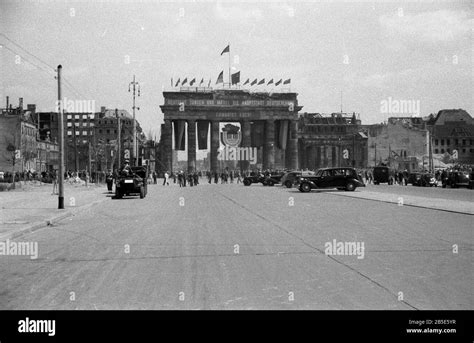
236 247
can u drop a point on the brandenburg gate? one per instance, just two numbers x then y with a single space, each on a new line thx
268 123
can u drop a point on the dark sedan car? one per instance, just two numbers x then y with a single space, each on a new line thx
291 178
457 179
266 180
340 178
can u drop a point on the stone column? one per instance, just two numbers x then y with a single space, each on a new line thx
269 145
292 146
191 145
214 145
168 145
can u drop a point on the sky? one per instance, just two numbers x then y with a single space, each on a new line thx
374 53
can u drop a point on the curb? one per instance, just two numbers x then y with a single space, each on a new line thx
45 223
405 204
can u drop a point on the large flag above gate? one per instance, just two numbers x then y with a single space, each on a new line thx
236 78
203 129
179 136
220 78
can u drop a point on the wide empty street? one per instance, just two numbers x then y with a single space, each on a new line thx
236 247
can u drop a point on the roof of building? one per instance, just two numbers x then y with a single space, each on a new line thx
452 115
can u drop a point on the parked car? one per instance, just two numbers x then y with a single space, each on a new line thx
471 179
266 180
291 178
340 178
383 174
424 180
134 183
457 179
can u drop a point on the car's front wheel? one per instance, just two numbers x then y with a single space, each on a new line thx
305 187
288 184
350 187
247 182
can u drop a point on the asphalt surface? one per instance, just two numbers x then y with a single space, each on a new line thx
236 247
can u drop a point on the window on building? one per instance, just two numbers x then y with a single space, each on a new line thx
463 142
100 122
69 133
77 133
463 150
91 116
84 116
77 116
108 131
92 124
435 151
436 142
115 131
76 124
69 116
84 133
448 142
442 142
442 151
100 131
69 124
456 142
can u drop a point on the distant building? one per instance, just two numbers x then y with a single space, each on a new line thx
20 141
453 130
401 142
331 140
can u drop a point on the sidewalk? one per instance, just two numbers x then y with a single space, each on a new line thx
458 206
33 206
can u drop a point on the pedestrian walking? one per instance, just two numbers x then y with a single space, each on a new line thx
166 179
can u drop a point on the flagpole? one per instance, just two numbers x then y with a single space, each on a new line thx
229 65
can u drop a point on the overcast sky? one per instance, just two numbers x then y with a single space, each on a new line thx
418 51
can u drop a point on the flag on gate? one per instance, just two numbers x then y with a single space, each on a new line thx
220 78
202 81
254 82
192 81
227 49
286 81
270 82
235 78
209 83
248 80
177 82
171 82
184 81
278 82
262 81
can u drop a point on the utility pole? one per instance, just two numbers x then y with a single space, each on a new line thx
61 144
119 140
135 86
